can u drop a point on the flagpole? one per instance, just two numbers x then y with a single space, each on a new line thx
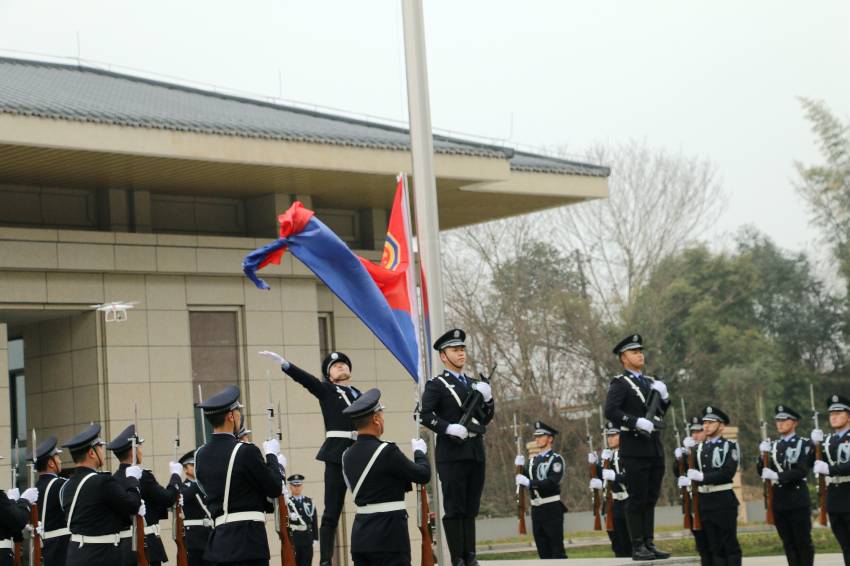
425 197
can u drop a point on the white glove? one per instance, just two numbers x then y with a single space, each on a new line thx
419 444
294 517
279 360
678 452
595 483
821 468
765 446
457 430
13 494
522 480
30 495
174 468
661 387
645 424
695 475
180 500
281 459
689 442
484 389
271 446
142 509
683 481
519 460
40 529
607 454
133 472
592 458
315 544
768 474
817 436
609 475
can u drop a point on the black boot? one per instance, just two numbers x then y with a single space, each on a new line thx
327 536
640 552
649 532
453 529
469 541
734 560
705 559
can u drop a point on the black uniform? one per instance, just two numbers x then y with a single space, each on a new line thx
197 523
381 538
102 508
546 472
56 536
621 542
14 516
332 400
718 461
791 458
303 522
836 453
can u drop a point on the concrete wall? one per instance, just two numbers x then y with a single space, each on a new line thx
5 419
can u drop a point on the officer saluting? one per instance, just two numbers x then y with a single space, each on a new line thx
157 499
334 393
54 532
459 453
836 468
96 505
302 521
640 444
197 522
379 475
236 483
790 459
543 479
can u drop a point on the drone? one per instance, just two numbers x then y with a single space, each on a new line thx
115 311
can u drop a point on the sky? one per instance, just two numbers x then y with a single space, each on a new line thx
716 80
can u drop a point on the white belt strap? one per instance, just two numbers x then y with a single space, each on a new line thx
125 533
76 494
98 539
44 505
6 543
826 450
835 480
226 502
352 434
197 523
298 527
367 469
451 390
343 395
620 496
55 533
204 507
257 516
543 500
715 488
152 530
636 388
381 507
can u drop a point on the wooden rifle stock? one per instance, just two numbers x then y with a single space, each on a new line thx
609 501
821 487
36 538
697 522
520 505
768 492
287 550
686 497
180 534
141 557
425 528
19 553
597 502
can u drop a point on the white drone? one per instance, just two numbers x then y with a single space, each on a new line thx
115 311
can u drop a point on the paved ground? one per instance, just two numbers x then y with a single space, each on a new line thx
820 560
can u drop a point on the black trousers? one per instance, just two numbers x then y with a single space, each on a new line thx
621 542
840 524
334 500
462 483
303 555
547 526
380 559
794 527
721 532
643 482
702 546
196 557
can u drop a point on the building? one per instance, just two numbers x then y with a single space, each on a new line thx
119 188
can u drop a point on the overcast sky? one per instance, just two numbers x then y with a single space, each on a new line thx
713 79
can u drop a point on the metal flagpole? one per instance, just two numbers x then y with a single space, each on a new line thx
424 196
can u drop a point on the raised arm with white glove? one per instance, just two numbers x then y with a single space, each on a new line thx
174 468
133 472
30 494
278 359
271 447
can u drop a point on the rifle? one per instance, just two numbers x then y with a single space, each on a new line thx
470 409
35 540
686 497
819 456
177 517
653 403
597 502
606 465
203 422
19 544
281 507
696 525
138 536
423 517
765 460
520 494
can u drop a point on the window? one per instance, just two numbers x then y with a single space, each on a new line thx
326 335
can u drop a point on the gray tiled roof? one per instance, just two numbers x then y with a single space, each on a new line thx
51 90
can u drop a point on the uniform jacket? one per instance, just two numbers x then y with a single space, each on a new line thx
792 459
837 455
332 400
718 461
617 486
193 509
307 517
388 480
254 480
546 473
14 515
623 407
440 409
54 549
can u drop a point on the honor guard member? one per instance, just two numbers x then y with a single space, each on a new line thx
97 505
52 528
14 517
716 464
695 436
244 435
379 475
157 499
236 483
836 467
543 479
303 521
197 522
791 458
459 453
614 479
334 393
641 450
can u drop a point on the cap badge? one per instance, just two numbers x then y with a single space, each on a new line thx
635 338
835 398
457 334
334 356
780 408
709 410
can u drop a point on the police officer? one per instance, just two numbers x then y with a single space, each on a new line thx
334 393
459 453
303 521
543 479
379 475
236 483
641 450
157 499
614 479
52 528
836 467
716 464
97 505
14 516
197 522
696 435
791 459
